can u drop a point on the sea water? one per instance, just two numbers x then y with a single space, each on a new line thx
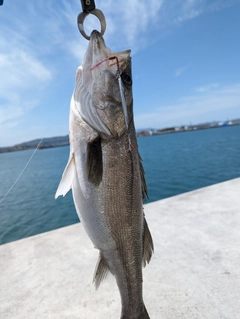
174 163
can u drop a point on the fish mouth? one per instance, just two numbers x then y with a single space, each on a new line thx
98 51
97 40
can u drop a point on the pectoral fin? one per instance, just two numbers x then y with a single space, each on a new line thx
147 245
67 177
94 164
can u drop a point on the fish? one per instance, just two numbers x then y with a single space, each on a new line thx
105 172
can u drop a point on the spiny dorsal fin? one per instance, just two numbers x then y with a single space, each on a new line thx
101 271
94 164
143 180
147 244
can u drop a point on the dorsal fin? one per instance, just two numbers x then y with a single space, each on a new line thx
101 271
147 244
143 180
94 164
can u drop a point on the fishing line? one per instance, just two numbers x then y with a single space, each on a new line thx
21 171
19 176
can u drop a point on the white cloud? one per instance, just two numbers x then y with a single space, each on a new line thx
22 75
207 88
19 69
205 105
174 13
131 23
138 17
180 71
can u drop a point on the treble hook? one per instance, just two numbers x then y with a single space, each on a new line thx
88 7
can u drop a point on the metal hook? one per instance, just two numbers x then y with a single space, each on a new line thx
82 16
88 5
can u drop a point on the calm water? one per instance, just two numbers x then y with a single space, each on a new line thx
174 164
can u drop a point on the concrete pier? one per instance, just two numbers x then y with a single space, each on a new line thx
194 273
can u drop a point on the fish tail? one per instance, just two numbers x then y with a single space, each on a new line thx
143 315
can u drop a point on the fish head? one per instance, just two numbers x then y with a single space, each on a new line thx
97 95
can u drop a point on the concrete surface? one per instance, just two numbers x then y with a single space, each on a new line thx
194 273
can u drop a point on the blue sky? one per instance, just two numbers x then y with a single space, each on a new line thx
185 60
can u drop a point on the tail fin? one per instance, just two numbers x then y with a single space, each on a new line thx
143 315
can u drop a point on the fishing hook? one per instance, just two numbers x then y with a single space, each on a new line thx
88 7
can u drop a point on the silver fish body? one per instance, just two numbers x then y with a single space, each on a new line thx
106 175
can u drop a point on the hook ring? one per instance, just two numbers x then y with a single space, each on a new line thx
82 16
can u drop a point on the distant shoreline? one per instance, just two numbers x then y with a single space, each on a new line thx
64 140
189 128
49 142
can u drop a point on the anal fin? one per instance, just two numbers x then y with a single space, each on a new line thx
147 244
101 271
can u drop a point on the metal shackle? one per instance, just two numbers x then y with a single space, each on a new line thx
82 16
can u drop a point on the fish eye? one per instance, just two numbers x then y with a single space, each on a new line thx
126 78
